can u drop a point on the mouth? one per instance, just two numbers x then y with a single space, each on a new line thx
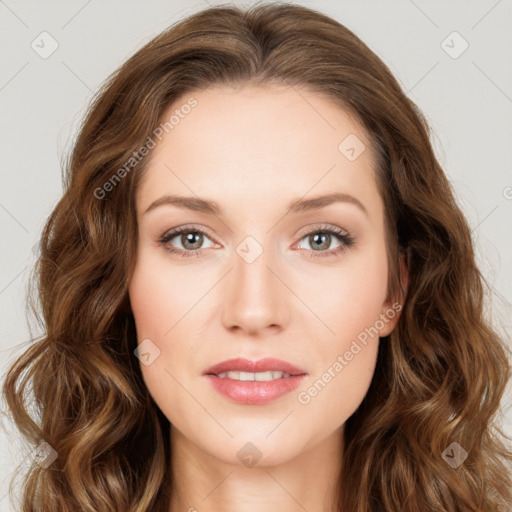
254 382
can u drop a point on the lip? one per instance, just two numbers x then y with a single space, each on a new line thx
262 365
254 392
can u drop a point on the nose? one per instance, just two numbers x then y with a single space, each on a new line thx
254 297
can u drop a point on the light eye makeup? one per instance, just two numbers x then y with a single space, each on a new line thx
320 236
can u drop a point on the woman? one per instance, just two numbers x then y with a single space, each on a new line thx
320 345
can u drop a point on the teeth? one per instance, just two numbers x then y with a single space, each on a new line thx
259 376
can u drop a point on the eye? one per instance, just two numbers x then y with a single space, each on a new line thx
190 238
322 237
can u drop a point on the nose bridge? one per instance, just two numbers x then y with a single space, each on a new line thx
254 300
251 265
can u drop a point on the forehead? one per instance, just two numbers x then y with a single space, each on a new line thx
259 143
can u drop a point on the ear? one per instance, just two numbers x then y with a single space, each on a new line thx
391 309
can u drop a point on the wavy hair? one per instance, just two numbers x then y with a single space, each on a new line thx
440 375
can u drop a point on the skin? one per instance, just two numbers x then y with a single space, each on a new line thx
253 151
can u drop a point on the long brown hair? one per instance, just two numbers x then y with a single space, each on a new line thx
440 375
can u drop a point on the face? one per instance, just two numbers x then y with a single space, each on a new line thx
270 274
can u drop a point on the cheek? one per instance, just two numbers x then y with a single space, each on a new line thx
351 309
342 387
160 296
154 306
157 307
339 384
349 298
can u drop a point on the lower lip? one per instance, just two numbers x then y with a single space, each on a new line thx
252 392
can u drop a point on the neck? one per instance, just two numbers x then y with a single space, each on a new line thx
204 483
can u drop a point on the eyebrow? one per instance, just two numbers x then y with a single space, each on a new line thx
298 206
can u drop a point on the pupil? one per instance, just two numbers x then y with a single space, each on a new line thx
189 238
324 244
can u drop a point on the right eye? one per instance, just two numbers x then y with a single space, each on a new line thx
187 236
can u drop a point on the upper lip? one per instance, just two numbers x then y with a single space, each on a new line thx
262 365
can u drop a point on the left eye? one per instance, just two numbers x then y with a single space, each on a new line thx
321 239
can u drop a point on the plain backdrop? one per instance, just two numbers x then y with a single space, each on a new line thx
452 58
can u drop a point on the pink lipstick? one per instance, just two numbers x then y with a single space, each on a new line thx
254 382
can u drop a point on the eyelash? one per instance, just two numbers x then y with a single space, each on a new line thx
342 236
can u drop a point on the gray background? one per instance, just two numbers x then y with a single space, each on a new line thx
467 100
